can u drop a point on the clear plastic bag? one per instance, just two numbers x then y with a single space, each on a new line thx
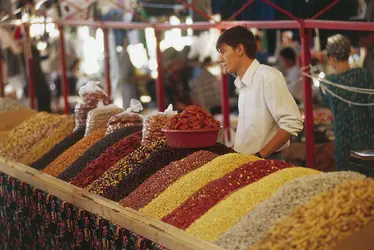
128 118
153 124
99 117
91 95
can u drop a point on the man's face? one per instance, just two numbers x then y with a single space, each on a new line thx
229 58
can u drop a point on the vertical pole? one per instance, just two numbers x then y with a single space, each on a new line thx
225 103
308 100
2 83
160 69
64 79
107 62
29 64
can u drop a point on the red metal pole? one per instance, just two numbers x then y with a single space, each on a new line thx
160 69
30 68
225 102
324 10
64 79
107 63
2 84
237 13
281 10
308 100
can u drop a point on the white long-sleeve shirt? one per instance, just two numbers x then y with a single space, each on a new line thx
265 106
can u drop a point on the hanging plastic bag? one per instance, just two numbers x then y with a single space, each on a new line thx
128 118
99 117
153 124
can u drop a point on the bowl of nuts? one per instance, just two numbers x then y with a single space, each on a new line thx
193 128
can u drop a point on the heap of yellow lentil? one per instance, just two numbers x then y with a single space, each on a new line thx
230 210
22 138
325 220
55 136
69 156
186 186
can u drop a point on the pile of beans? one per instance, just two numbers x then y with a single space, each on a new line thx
325 220
27 134
59 148
192 117
230 210
95 151
253 226
45 144
155 162
8 104
208 196
183 188
69 156
152 128
117 172
99 117
113 154
163 178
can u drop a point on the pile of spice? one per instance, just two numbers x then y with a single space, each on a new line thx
69 156
95 151
156 161
99 117
253 226
45 144
192 118
182 189
163 178
117 172
225 214
59 148
208 196
153 125
8 104
22 138
325 220
113 154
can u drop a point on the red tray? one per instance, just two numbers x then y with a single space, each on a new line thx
202 138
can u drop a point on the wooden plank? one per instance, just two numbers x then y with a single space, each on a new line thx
155 230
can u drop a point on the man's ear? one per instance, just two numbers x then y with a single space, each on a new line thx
240 49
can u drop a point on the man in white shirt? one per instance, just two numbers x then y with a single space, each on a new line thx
268 114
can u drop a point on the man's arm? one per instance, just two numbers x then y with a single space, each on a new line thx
283 108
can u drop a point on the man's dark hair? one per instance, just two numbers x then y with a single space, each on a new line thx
239 35
289 54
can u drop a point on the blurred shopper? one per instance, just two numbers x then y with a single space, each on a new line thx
368 41
261 55
206 89
288 61
353 125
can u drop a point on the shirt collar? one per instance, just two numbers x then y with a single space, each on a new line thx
248 76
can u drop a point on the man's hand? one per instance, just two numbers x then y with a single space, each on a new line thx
279 139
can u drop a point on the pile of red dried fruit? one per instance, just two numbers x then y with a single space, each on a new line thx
192 118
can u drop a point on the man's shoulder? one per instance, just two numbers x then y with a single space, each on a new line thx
268 72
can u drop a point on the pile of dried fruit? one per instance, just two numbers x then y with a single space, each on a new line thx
231 209
163 178
55 136
183 188
156 161
117 172
325 220
253 226
74 152
59 148
99 117
192 118
208 196
95 151
113 154
22 138
9 104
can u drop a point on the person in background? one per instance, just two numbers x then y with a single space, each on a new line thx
368 41
288 61
353 125
206 89
261 55
268 114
